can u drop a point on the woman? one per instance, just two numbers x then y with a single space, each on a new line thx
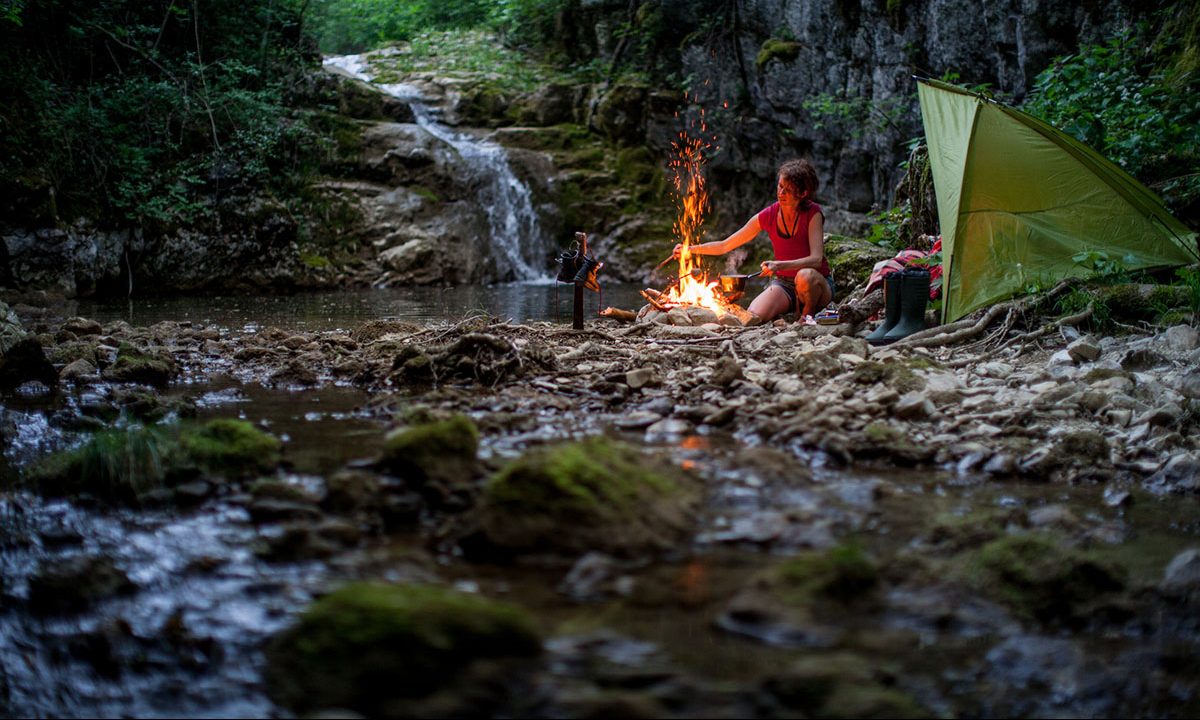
796 226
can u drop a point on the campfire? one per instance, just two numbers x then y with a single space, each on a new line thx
693 298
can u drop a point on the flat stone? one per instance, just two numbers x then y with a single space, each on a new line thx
78 370
642 377
1117 497
701 316
1182 574
994 370
679 316
1001 464
1060 358
670 427
1084 349
637 420
1181 474
1181 338
1189 386
1161 416
1053 516
913 406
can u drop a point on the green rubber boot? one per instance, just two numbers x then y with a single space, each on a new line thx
891 309
914 296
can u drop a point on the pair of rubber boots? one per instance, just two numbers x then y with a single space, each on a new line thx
905 294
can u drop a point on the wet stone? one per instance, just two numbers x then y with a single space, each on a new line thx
1182 574
74 584
637 420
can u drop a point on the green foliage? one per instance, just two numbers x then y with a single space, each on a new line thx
149 112
1190 279
351 26
1103 267
119 465
1117 98
854 114
887 225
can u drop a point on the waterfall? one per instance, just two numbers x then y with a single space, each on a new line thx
516 243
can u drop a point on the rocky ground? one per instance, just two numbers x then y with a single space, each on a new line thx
744 478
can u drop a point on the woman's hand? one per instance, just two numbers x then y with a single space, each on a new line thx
770 267
678 249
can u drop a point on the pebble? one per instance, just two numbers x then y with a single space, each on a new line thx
1182 574
637 419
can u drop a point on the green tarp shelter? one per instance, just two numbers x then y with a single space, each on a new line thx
1018 199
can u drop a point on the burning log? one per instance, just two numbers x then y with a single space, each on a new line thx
653 299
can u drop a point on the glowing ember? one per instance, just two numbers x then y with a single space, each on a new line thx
691 200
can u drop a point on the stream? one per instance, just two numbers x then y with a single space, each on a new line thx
186 638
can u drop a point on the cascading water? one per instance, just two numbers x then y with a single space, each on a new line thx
516 244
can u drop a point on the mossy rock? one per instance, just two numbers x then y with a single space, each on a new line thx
851 260
1040 577
776 49
897 376
379 649
68 352
621 113
971 530
840 685
119 466
141 366
231 447
843 574
443 452
880 439
596 494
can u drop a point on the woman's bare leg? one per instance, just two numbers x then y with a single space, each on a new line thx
812 292
770 303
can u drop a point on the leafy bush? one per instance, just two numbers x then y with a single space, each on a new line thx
148 111
1118 98
351 26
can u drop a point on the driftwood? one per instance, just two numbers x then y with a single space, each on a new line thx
618 314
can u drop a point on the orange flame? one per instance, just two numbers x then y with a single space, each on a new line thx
691 199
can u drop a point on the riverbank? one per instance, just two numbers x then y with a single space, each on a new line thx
865 529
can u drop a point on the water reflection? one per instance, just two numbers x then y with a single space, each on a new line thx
519 302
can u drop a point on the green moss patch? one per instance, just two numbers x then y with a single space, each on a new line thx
843 574
591 495
444 451
1040 577
840 685
776 49
231 447
142 366
369 647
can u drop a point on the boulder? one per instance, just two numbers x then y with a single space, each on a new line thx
401 650
438 456
21 356
74 584
1181 474
234 448
150 366
1039 576
621 113
578 497
1182 574
1181 338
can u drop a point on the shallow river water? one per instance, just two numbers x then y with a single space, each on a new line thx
188 640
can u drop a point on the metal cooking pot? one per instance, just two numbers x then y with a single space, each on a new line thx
731 284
